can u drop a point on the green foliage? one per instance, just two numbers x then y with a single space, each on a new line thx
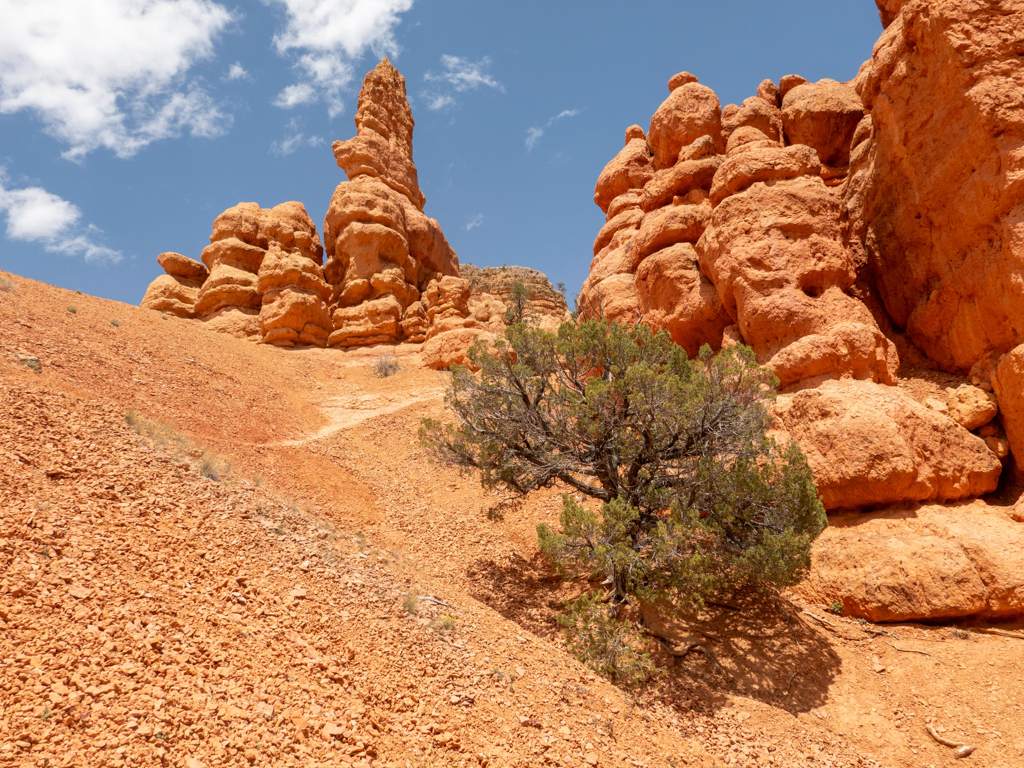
518 304
695 499
836 607
72 310
606 644
115 323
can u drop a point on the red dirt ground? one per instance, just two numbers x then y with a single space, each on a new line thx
152 616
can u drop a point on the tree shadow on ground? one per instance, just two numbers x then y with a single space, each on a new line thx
765 647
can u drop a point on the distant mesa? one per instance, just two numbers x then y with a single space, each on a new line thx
383 274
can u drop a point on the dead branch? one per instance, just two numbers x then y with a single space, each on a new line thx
691 644
434 600
911 650
999 632
941 739
826 622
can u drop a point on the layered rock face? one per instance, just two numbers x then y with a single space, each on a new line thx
490 288
176 291
828 225
383 252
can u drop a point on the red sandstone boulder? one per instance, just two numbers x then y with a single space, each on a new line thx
177 291
692 110
449 348
823 115
630 169
871 444
681 300
926 563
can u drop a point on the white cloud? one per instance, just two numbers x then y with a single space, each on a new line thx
295 139
464 75
295 95
460 75
35 215
328 36
476 222
237 72
110 73
438 101
533 135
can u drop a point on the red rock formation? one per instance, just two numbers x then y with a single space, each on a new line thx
382 250
176 292
265 279
939 204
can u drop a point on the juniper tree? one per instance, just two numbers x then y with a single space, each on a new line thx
688 494
518 301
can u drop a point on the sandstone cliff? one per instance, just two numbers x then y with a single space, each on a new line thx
839 227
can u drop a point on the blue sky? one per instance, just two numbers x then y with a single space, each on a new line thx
127 126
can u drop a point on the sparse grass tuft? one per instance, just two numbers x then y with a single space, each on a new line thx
7 286
385 365
442 623
72 310
257 481
411 601
79 293
214 467
115 323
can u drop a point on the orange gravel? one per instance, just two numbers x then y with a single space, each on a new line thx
152 616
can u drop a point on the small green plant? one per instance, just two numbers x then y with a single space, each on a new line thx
79 293
6 286
385 365
32 363
115 323
560 287
47 713
257 481
161 735
361 540
836 607
164 316
518 304
411 602
72 310
862 621
608 645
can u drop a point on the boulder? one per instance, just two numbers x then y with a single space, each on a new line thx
177 291
176 265
870 444
1009 388
681 300
173 295
762 114
372 322
666 227
973 408
777 257
767 163
824 116
630 169
449 348
692 110
920 563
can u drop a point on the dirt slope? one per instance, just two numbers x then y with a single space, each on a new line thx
150 615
